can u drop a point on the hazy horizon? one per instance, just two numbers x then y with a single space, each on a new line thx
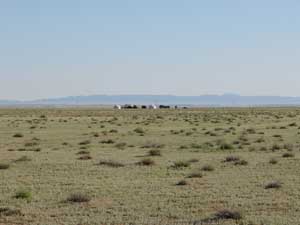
186 48
156 98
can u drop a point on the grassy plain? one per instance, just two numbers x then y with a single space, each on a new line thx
196 166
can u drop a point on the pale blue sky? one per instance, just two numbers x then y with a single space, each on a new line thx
192 47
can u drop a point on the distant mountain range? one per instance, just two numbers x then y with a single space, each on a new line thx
203 100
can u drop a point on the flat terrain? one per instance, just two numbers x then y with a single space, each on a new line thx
98 166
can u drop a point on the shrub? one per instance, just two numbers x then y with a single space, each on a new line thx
139 130
260 140
251 131
4 166
23 195
154 152
83 152
96 135
193 160
288 155
78 198
153 145
109 141
121 145
273 161
263 149
226 214
85 157
181 164
196 146
181 183
232 158
273 185
10 212
241 163
146 162
207 168
113 131
35 149
18 135
212 134
111 163
188 133
275 147
225 146
86 142
30 144
195 175
23 159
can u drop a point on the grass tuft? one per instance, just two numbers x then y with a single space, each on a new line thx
79 198
85 157
226 214
288 155
154 152
23 194
195 175
146 162
111 163
4 166
181 164
273 185
207 168
273 161
18 135
23 159
5 211
182 183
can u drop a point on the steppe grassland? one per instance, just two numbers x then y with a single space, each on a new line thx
100 166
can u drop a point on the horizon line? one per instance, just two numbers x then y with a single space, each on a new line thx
139 95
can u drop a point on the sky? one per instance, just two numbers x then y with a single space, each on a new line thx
84 47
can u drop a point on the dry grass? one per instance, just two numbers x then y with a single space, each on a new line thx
209 159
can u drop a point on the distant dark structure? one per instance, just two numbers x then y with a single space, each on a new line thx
128 106
164 106
131 106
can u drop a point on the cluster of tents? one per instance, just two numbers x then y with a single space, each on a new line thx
129 106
